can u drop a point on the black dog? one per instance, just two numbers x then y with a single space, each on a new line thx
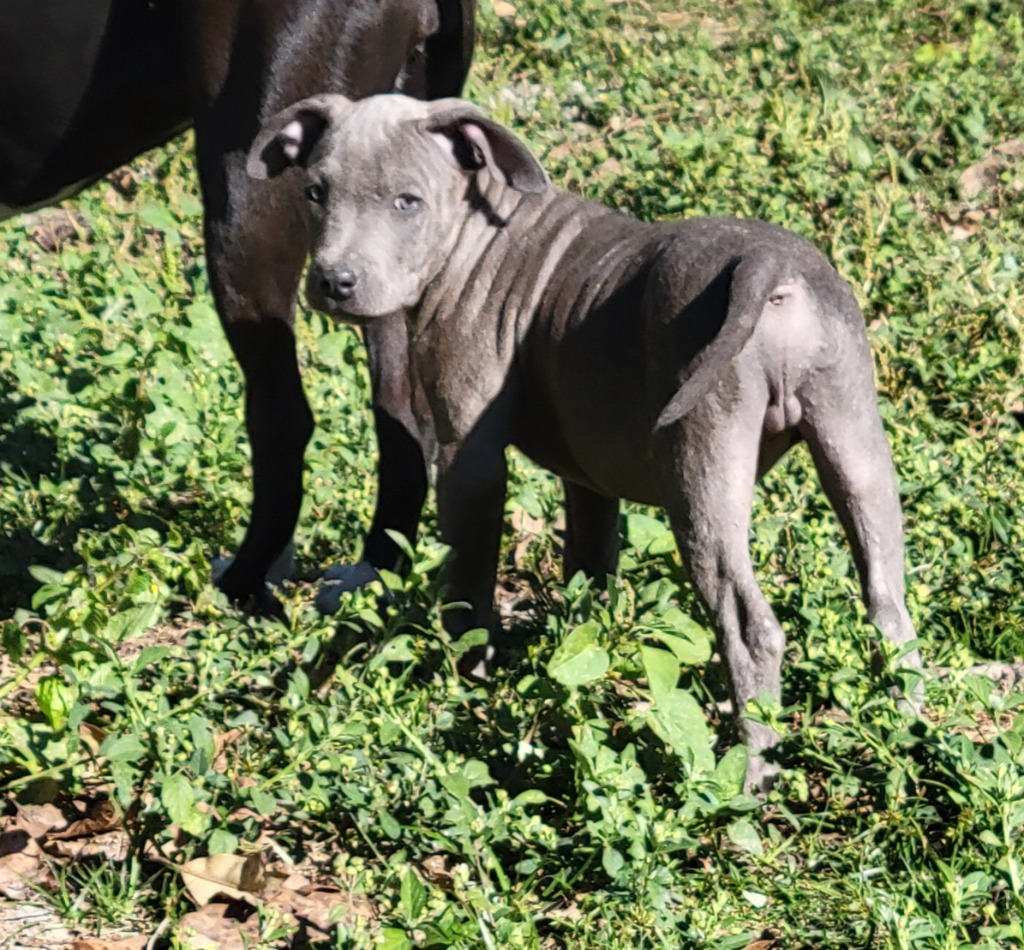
86 85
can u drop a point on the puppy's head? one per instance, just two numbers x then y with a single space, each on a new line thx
385 181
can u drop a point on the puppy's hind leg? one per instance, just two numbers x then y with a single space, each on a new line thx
709 463
850 451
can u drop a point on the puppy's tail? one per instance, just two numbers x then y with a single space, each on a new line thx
752 277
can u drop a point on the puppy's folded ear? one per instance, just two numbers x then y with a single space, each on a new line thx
289 137
472 140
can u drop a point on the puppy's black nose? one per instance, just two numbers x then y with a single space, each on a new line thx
338 285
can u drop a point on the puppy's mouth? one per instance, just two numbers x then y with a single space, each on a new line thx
350 310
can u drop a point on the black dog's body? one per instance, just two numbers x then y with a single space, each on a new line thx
88 84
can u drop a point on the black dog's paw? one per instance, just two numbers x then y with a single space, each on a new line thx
260 602
478 664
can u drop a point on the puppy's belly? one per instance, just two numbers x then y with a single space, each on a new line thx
609 466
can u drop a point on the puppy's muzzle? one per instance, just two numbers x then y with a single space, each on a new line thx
337 285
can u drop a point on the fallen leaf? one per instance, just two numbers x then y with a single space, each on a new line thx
675 20
52 228
102 817
124 182
92 736
112 845
39 820
22 874
1014 148
719 34
324 907
222 744
439 870
237 876
219 927
981 175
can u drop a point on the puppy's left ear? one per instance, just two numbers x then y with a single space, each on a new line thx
289 137
472 140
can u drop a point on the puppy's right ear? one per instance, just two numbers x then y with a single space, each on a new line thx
290 136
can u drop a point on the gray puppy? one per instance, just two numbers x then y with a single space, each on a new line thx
671 364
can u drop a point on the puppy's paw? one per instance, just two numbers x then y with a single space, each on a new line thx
343 579
761 775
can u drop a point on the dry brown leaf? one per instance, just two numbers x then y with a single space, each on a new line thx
567 911
92 736
111 845
222 745
981 175
439 870
217 927
675 20
240 877
52 228
39 820
22 873
985 174
319 907
102 817
1014 148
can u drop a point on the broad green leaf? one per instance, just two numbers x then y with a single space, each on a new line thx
689 641
150 656
470 639
662 669
132 623
395 939
745 836
532 796
578 659
122 748
222 842
679 721
263 803
731 771
612 861
413 896
859 152
649 535
179 799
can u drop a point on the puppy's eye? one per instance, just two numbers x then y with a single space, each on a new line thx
408 203
316 193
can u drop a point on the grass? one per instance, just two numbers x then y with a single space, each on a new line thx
584 799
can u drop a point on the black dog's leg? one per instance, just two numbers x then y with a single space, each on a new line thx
591 532
255 246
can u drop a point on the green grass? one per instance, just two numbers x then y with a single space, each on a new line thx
582 800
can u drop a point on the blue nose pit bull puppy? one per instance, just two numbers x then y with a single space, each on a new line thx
671 364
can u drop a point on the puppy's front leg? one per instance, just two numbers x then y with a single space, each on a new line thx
471 482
